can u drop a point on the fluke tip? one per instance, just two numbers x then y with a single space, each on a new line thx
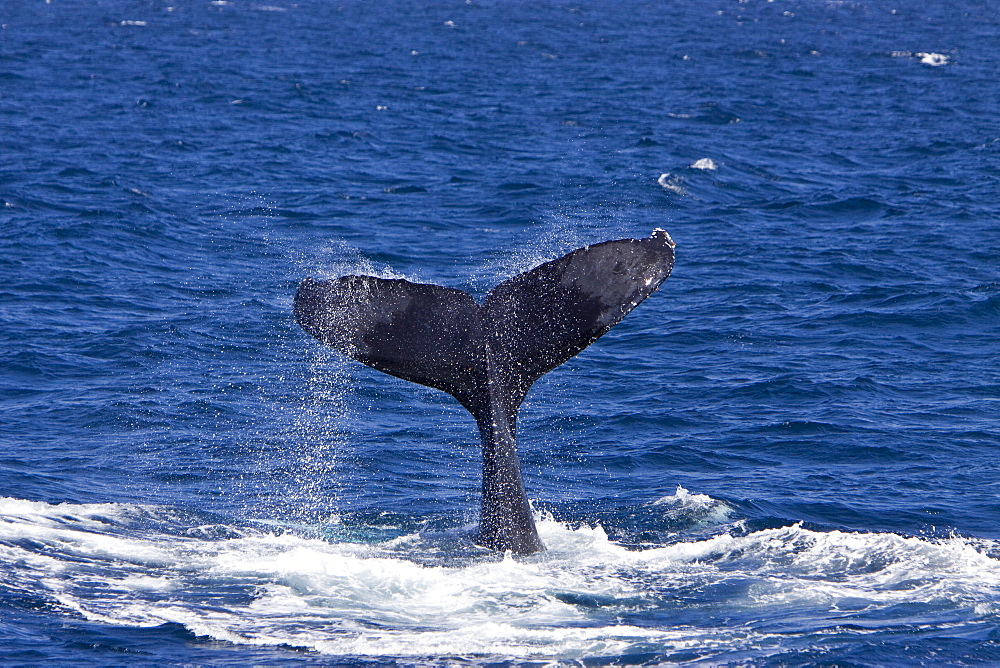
659 233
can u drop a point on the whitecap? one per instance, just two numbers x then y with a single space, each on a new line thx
932 59
704 163
671 182
699 509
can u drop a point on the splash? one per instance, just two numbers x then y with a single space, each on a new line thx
143 566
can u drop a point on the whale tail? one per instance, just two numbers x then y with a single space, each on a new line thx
531 323
488 356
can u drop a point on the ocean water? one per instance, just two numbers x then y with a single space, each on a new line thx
786 456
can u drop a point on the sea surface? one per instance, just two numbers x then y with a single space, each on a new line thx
788 455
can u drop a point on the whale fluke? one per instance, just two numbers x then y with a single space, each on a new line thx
487 356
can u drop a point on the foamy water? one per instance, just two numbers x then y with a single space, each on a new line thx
141 566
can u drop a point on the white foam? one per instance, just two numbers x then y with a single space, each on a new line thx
375 600
48 514
682 497
670 182
704 163
697 509
926 57
932 59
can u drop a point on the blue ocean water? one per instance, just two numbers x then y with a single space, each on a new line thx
786 456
